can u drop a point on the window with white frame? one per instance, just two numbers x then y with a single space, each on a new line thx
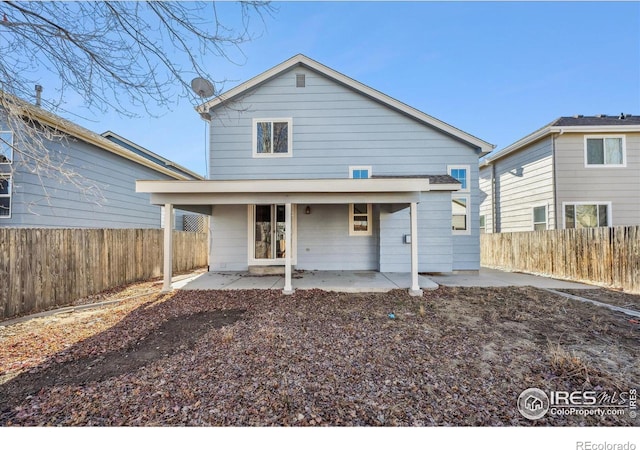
483 223
5 196
587 214
460 207
272 137
360 219
604 151
6 147
359 172
539 216
460 173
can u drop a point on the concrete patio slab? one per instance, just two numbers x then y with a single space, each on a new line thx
328 280
498 278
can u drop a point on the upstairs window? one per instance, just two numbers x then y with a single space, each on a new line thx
272 137
460 173
359 172
5 196
6 147
604 151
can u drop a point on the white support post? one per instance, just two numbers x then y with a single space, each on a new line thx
415 285
168 248
288 288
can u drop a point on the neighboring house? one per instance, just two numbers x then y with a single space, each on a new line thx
102 194
574 172
314 170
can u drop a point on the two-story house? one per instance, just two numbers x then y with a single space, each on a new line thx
314 170
581 171
96 188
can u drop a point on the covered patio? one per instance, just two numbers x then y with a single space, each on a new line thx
397 192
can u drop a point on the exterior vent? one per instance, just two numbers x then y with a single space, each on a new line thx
300 80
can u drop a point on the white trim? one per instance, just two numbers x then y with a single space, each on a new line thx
415 285
251 237
352 168
9 144
603 137
288 288
468 170
254 138
369 215
304 61
466 232
8 176
325 185
546 215
167 270
609 210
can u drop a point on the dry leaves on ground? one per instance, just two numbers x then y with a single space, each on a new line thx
456 356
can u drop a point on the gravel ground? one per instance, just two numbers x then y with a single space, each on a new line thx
456 356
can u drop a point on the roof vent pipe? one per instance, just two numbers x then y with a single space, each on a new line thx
38 95
622 116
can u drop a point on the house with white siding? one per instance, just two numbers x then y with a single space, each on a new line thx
313 170
575 172
97 186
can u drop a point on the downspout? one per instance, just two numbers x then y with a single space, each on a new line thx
554 178
494 228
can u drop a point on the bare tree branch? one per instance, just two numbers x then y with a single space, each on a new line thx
117 56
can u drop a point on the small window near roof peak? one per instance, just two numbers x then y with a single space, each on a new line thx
300 80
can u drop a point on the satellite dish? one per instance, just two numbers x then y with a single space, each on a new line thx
202 87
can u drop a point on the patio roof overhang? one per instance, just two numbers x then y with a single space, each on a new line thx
326 191
199 196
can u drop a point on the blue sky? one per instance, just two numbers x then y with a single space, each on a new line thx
497 70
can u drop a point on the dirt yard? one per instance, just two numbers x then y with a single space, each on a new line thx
456 356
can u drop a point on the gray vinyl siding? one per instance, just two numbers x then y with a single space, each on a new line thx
619 185
229 238
334 127
46 200
434 236
324 242
523 180
486 201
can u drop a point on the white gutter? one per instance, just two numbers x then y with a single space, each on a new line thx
342 185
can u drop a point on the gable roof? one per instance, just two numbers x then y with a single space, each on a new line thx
304 61
58 123
570 124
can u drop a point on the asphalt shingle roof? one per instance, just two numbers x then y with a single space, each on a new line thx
596 120
433 179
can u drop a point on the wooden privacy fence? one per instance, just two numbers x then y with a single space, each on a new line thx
603 256
45 268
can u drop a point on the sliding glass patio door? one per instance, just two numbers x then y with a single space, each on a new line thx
269 232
